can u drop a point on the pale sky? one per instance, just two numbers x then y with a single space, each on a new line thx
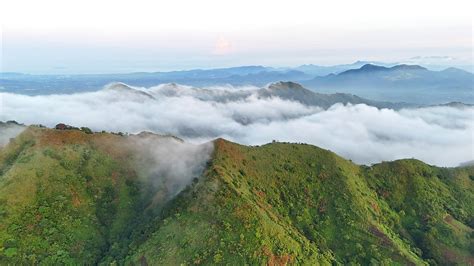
52 36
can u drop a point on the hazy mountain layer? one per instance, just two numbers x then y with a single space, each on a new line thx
68 197
409 83
382 82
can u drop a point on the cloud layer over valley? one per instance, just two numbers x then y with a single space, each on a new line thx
441 135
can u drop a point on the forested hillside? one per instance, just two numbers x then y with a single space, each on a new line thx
75 197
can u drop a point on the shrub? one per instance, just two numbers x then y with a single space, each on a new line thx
86 130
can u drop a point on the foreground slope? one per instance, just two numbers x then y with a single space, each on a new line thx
70 197
288 203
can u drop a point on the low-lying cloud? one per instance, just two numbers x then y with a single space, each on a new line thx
8 131
168 164
437 135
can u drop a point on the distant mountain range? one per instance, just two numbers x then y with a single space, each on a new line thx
411 83
317 70
399 76
382 82
242 75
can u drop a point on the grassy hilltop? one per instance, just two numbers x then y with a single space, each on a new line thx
71 197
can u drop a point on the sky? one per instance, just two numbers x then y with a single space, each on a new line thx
53 36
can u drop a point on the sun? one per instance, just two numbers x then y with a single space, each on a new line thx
223 46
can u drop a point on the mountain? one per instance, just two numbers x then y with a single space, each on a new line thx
458 105
125 90
61 84
242 75
296 92
397 76
68 197
381 82
370 69
316 70
257 75
410 83
285 90
214 73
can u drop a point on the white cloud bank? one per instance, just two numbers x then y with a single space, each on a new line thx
437 135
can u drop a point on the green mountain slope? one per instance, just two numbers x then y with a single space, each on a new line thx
71 197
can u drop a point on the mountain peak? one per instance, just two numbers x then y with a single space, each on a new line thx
361 62
117 86
408 67
372 67
285 85
368 68
454 70
124 88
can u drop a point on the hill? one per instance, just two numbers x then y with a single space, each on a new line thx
69 197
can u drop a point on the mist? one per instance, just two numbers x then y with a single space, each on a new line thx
167 163
438 135
9 131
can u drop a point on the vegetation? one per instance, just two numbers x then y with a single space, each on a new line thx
67 197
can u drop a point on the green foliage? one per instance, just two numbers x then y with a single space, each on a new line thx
86 130
81 201
62 204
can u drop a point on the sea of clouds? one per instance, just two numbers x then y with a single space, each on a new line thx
440 135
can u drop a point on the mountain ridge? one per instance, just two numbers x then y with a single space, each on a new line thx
68 197
373 68
286 90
